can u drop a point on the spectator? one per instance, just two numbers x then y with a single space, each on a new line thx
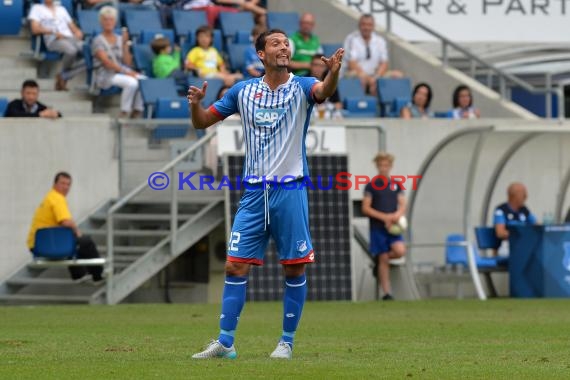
419 107
205 60
212 10
166 63
384 203
28 105
54 212
463 104
304 45
112 61
60 35
253 67
513 212
332 107
367 55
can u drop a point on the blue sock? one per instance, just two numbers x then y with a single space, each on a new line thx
232 303
293 301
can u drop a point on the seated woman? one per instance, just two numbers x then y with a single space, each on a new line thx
419 107
205 60
112 60
463 104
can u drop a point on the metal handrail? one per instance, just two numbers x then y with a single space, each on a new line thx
503 76
136 191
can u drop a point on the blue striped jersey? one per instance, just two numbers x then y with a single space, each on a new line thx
274 126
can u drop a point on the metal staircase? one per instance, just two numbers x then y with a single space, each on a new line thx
139 234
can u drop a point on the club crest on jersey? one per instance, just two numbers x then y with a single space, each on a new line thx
301 245
266 117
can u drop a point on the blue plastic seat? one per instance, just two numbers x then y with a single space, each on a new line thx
139 21
147 36
186 23
214 87
487 239
457 255
171 109
390 89
231 23
88 21
55 243
40 51
286 21
329 49
236 54
352 95
243 37
3 106
360 107
11 14
152 89
142 57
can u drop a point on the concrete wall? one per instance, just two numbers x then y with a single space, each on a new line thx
31 152
335 21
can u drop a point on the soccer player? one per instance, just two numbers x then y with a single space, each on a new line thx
275 111
384 203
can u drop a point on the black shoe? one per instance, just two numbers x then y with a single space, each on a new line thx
388 297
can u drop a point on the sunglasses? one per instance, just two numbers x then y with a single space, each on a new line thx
367 52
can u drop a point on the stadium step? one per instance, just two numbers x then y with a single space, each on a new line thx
7 62
17 72
141 217
25 281
43 298
126 249
128 233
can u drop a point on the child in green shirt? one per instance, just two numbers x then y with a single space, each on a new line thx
166 63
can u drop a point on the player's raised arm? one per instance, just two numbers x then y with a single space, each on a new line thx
326 88
201 118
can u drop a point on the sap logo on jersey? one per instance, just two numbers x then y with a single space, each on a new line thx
265 117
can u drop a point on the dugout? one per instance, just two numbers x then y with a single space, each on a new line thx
466 175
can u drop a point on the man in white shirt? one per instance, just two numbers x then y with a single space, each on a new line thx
60 35
367 55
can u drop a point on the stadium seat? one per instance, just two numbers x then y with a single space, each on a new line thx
3 106
236 54
89 75
171 109
152 89
457 255
286 21
391 89
139 21
232 23
352 95
55 243
243 37
88 21
214 87
147 36
186 23
68 5
360 107
443 114
11 14
142 57
329 49
40 51
487 239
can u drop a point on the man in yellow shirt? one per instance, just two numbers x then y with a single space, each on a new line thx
54 212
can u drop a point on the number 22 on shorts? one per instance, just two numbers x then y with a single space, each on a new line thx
234 239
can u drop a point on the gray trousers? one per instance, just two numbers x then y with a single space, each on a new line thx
72 49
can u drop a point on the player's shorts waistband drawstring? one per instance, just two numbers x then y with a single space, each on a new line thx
266 201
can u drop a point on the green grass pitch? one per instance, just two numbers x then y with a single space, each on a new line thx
497 339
